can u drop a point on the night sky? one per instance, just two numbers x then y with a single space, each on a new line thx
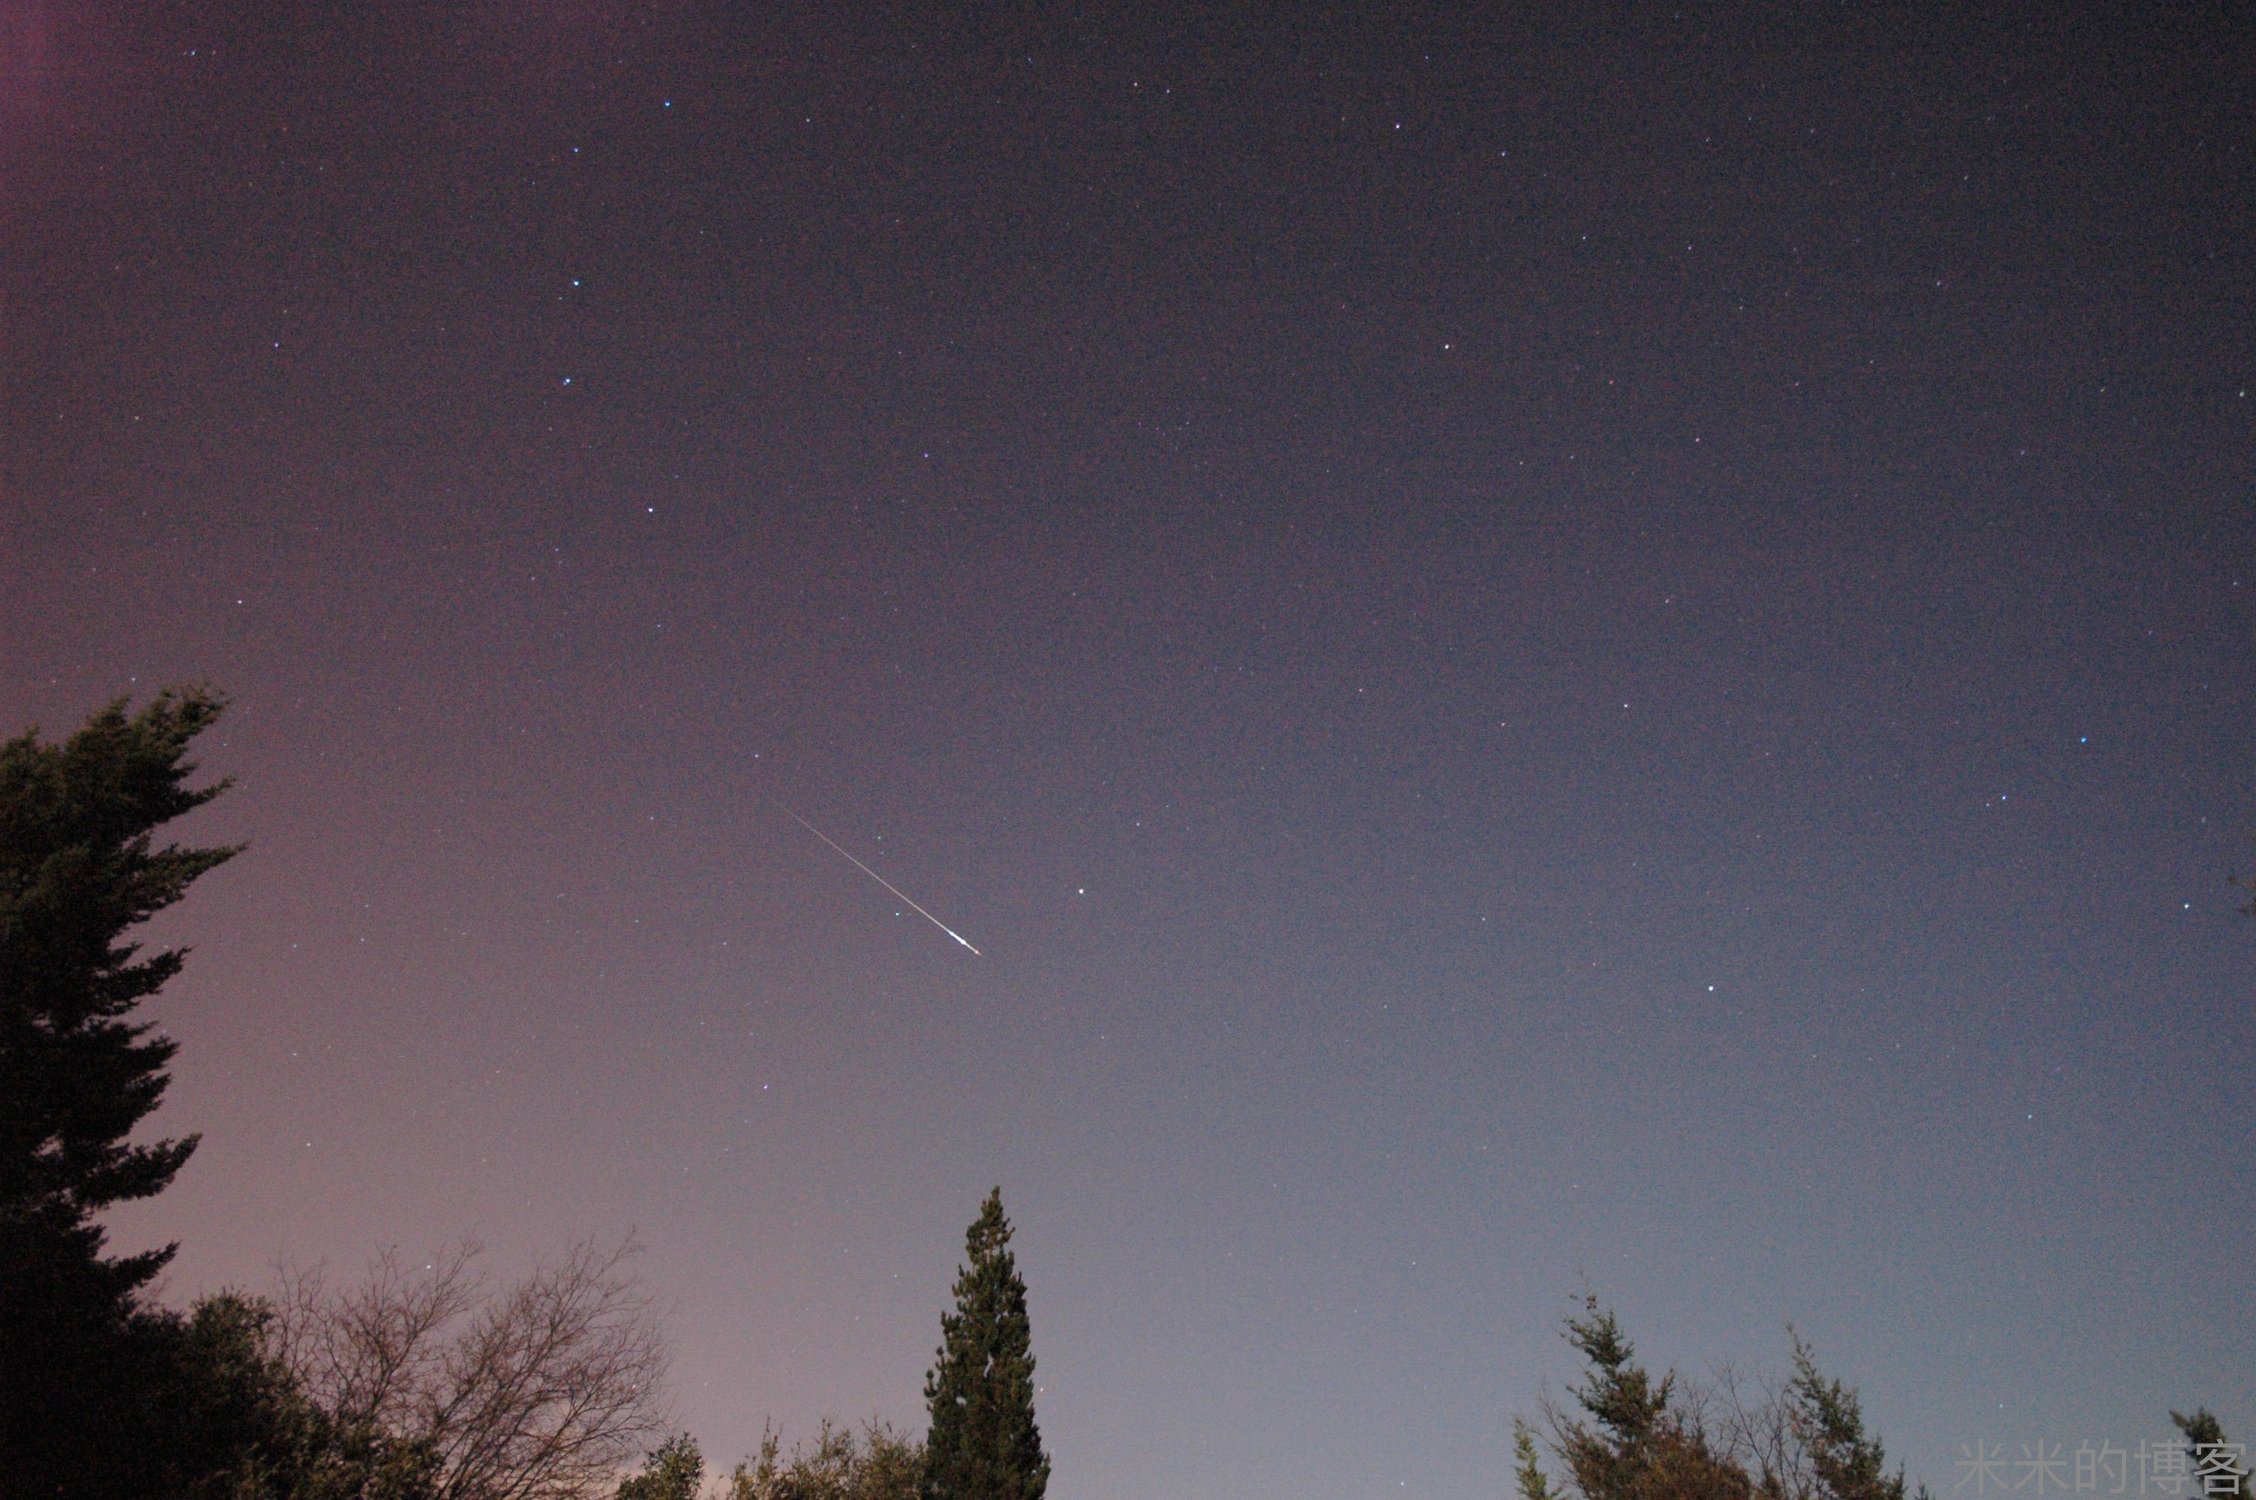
1585 645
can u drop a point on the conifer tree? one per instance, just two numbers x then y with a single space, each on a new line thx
1628 1436
1527 1469
78 870
983 1443
1828 1421
1630 1409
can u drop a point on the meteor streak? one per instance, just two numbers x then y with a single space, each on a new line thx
881 880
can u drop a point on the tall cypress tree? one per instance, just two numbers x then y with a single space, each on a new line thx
78 870
984 1444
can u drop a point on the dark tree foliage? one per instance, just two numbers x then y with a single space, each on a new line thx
1630 1436
231 1421
1629 1409
675 1470
1527 1469
983 1443
1844 1462
876 1464
78 870
2216 1467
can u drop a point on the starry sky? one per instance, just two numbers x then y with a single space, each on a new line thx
1543 646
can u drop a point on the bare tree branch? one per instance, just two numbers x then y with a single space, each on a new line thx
544 1391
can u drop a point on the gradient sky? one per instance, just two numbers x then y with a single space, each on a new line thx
1577 644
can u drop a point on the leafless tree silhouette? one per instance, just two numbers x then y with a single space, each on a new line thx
545 1390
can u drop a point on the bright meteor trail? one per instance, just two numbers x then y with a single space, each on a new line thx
881 880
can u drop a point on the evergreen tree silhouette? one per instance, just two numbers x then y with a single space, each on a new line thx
79 870
984 1444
